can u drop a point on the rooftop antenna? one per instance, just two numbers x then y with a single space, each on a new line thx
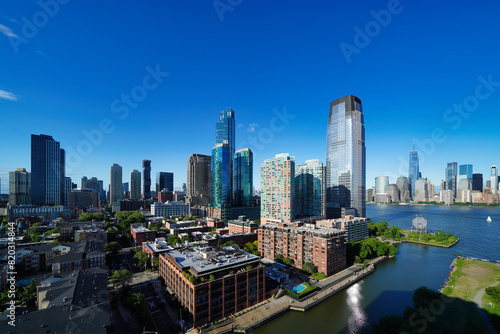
414 144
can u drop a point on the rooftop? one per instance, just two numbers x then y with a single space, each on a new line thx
305 228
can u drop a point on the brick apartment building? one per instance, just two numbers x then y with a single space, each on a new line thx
302 243
213 283
141 234
356 228
242 225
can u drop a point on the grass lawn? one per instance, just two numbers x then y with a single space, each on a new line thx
318 276
309 288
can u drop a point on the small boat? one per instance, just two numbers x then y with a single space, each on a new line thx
488 219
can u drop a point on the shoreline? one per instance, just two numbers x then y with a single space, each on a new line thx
428 244
259 316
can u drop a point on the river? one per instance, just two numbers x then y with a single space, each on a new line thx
390 288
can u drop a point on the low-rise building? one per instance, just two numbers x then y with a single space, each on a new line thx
92 233
157 247
242 225
169 209
356 228
45 213
212 283
82 255
141 234
323 247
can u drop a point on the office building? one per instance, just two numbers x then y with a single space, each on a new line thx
451 177
82 199
213 283
310 190
66 190
277 180
345 159
421 190
243 178
466 171
135 184
404 188
225 130
184 188
370 196
198 179
47 171
304 243
125 187
116 190
19 187
169 209
477 182
221 179
84 182
494 179
393 192
146 179
413 171
381 183
164 181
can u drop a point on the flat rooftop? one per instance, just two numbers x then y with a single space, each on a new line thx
206 259
140 229
306 228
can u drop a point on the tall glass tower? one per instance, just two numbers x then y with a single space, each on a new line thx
146 178
164 180
345 159
413 170
116 185
243 178
451 177
135 184
221 176
309 197
494 179
224 129
47 171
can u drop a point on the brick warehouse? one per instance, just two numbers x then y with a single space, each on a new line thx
213 283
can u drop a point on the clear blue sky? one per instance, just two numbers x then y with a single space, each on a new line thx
66 77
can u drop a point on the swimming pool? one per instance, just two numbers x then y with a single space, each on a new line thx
298 288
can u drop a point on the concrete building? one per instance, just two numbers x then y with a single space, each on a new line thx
404 188
448 197
45 213
494 179
135 184
242 225
19 187
212 283
198 180
116 185
421 190
169 209
277 189
345 159
82 199
393 192
324 248
355 228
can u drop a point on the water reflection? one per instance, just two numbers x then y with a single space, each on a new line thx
357 319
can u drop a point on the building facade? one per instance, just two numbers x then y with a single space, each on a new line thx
169 209
164 180
243 178
19 187
324 248
146 179
198 179
135 184
477 182
310 190
355 228
451 177
277 178
413 172
345 158
381 183
221 179
116 185
494 179
83 199
404 188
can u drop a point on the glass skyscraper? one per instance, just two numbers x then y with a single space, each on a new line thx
146 178
494 179
19 187
309 199
413 172
116 185
466 170
47 171
243 178
164 180
451 177
224 129
135 184
345 159
221 176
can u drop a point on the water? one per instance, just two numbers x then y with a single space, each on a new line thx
390 288
299 288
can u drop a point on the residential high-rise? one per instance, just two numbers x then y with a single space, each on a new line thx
494 179
198 179
164 181
277 183
225 130
243 178
381 183
146 178
413 171
345 159
19 187
47 171
221 178
125 187
102 193
116 186
451 177
66 190
309 196
135 184
477 182
404 188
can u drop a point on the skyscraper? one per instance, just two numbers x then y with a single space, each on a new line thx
184 188
309 196
413 170
451 177
466 170
404 188
198 179
19 187
277 182
243 178
47 171
225 134
146 178
477 182
164 180
135 184
345 159
66 190
381 183
494 179
116 186
221 179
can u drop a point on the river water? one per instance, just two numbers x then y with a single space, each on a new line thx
390 288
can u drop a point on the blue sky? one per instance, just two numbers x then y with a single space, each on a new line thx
66 73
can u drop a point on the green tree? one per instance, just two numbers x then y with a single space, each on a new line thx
288 261
28 294
173 240
309 267
121 277
141 258
113 247
140 307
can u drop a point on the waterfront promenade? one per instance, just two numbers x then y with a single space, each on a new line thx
273 308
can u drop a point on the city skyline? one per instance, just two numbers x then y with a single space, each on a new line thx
398 81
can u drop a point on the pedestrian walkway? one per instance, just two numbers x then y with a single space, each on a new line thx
478 299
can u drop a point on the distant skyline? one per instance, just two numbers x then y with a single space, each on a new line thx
148 81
